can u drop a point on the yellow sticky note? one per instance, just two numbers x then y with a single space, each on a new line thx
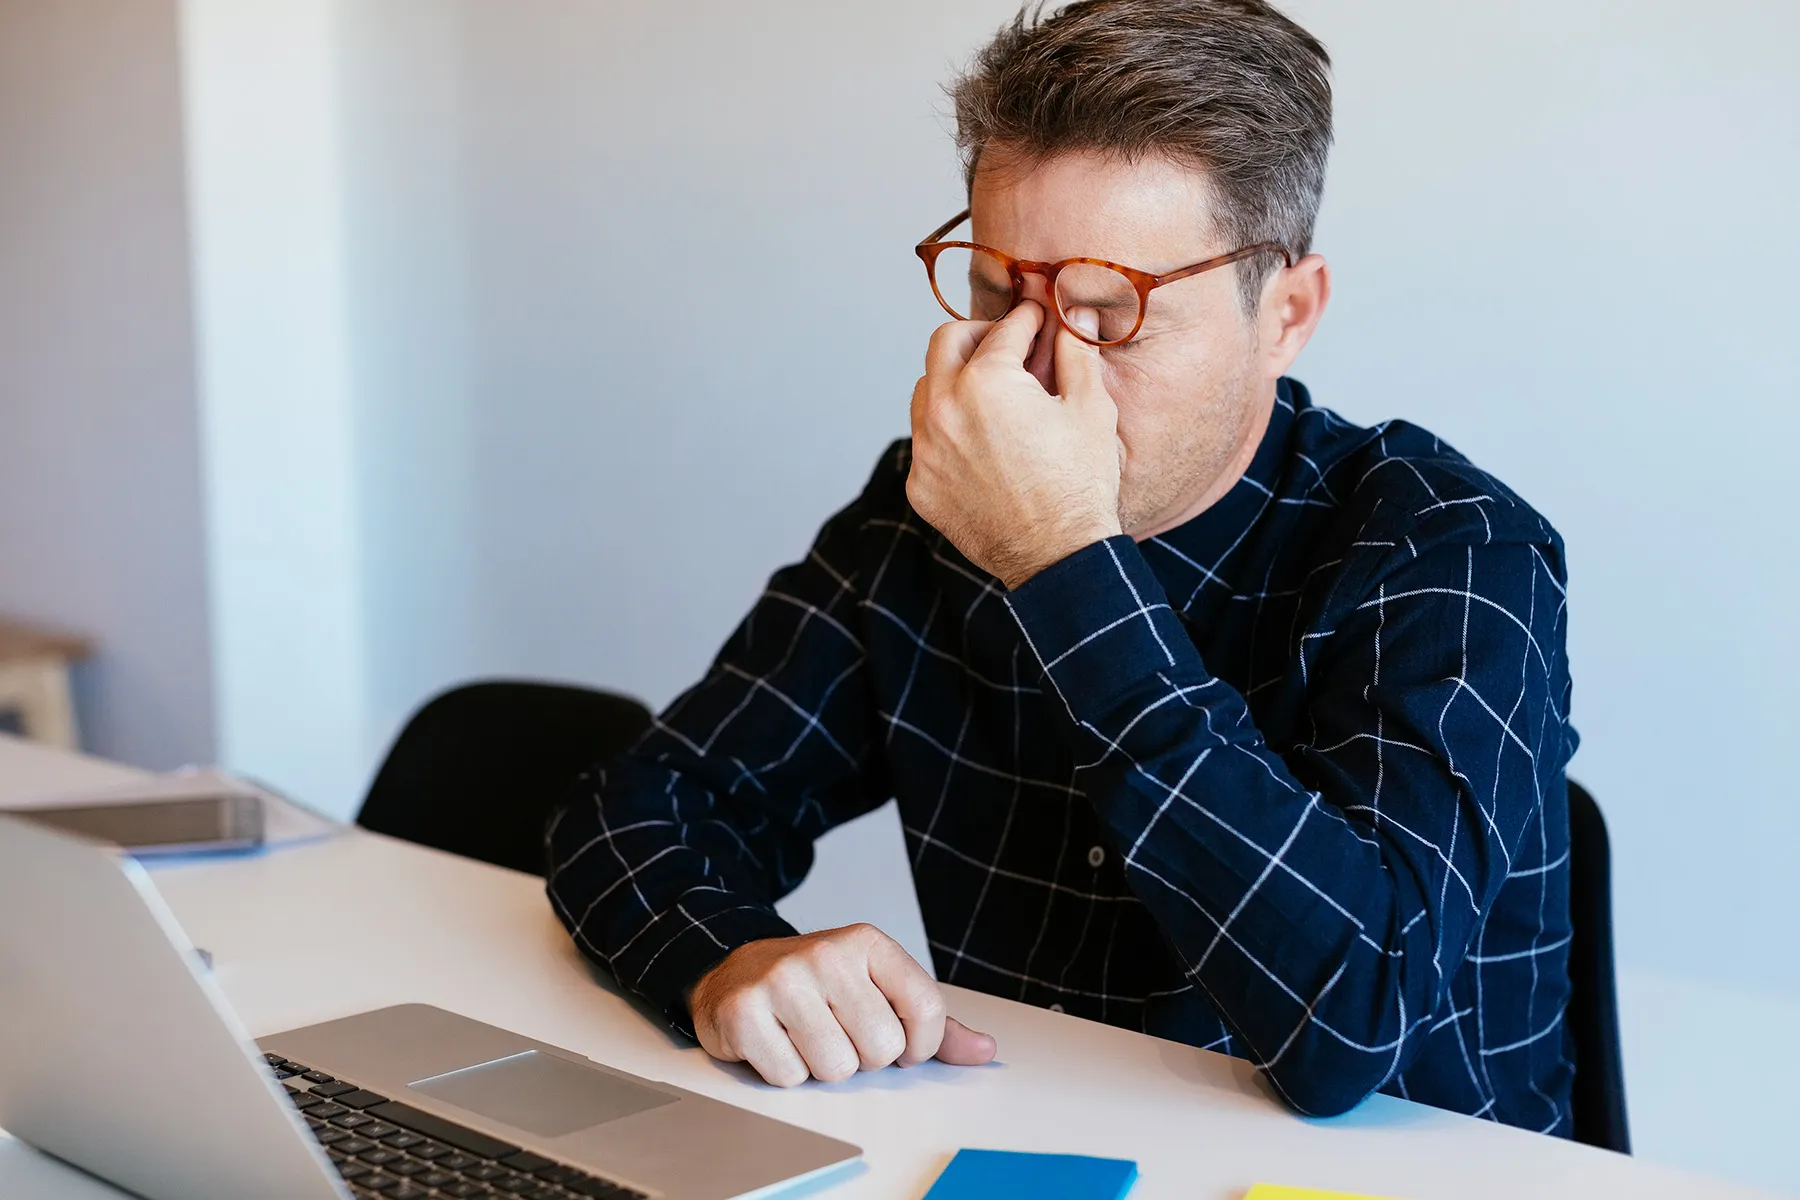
1274 1191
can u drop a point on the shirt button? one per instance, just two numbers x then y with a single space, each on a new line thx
1056 1008
1096 856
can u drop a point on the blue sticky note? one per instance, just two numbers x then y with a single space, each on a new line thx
995 1174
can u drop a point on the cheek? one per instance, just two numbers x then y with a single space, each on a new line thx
1151 392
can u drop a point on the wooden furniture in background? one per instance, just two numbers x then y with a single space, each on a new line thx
34 681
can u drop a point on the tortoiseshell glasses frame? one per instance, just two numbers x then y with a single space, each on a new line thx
1017 268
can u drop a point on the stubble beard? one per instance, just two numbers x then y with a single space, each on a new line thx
1186 460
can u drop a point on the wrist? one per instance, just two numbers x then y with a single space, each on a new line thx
1050 551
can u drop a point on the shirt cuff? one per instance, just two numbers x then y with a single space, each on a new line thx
698 933
1101 627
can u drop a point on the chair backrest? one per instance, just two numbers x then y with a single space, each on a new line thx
1593 1012
478 770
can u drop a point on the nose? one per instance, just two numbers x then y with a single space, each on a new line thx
1041 362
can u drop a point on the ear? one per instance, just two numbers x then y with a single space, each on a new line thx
1293 300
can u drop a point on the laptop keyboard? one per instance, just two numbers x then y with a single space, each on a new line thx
386 1150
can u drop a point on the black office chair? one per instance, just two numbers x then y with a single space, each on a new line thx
478 770
1593 1012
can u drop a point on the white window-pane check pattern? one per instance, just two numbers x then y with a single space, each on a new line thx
1286 781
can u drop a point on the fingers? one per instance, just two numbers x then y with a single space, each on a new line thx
912 995
963 1047
747 1031
952 344
816 1033
865 1014
1010 338
1078 362
828 1005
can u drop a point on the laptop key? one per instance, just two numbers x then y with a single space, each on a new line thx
478 1144
401 1140
332 1090
587 1185
355 1145
484 1172
303 1101
556 1173
375 1181
380 1156
356 1097
351 1120
325 1109
427 1150
405 1191
329 1135
351 1169
406 1167
378 1130
457 1161
312 1076
526 1161
434 1178
464 1190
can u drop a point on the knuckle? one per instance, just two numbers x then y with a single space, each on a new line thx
886 1045
827 956
734 1011
789 973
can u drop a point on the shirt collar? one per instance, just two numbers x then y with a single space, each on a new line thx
1194 553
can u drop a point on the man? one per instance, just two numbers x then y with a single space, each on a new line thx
1208 713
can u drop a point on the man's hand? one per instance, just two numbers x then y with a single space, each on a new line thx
1015 477
826 1005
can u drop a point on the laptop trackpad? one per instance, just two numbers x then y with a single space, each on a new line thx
541 1093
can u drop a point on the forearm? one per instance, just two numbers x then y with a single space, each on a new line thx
1322 935
655 890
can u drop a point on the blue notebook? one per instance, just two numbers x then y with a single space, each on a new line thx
997 1174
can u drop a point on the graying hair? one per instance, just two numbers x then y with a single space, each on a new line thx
1231 87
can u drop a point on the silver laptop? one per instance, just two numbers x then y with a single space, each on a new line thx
120 1055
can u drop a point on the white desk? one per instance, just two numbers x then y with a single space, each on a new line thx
481 940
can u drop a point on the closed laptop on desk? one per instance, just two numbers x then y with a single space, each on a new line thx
119 1055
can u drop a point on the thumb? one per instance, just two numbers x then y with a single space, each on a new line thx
963 1047
1078 362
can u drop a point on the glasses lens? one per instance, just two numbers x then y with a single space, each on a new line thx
973 283
1112 297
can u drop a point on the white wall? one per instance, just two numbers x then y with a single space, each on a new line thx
100 511
260 79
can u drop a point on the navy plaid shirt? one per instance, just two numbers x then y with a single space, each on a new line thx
1285 782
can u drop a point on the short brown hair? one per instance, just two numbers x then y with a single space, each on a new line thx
1232 87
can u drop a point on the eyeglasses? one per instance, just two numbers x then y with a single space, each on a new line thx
979 283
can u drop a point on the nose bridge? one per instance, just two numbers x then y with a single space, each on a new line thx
1034 284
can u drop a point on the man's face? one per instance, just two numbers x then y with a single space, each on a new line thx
1191 387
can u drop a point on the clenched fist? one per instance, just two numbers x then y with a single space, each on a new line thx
826 1005
1015 477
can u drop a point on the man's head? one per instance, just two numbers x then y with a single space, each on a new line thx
1157 133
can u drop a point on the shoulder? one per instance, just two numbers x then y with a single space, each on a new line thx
885 491
880 513
1399 488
